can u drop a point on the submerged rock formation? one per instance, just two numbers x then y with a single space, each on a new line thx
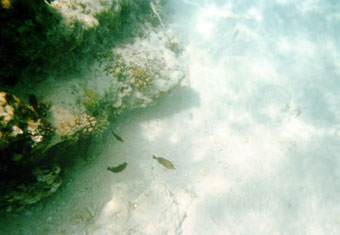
23 130
24 136
129 62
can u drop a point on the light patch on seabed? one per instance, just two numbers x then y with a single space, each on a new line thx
256 154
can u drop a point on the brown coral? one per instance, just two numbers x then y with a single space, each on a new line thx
20 122
141 77
82 125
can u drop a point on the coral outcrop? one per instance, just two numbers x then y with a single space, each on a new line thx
85 12
24 135
139 73
44 33
43 183
22 129
127 60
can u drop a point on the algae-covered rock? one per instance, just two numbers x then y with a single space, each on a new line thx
55 37
29 35
77 126
141 72
85 12
24 135
22 129
91 100
127 61
42 183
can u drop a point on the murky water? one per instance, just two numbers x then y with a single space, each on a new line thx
254 138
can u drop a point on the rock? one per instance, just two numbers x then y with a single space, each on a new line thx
24 135
45 182
38 140
20 123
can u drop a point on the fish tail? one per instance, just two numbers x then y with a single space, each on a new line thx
153 156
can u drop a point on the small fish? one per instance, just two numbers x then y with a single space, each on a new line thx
34 103
118 169
10 100
117 137
164 162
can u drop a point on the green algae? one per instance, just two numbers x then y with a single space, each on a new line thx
91 100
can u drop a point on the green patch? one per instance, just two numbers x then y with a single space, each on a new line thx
91 100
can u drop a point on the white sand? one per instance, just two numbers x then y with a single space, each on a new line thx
254 139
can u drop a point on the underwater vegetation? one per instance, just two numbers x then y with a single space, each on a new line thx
24 134
87 62
91 99
31 28
60 36
41 183
140 76
28 171
20 122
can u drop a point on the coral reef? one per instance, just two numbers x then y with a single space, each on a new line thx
32 28
20 123
127 61
56 37
44 183
24 135
82 125
85 12
137 74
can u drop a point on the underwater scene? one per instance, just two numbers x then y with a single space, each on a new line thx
169 117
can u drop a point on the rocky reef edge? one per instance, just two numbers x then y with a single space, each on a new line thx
68 69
